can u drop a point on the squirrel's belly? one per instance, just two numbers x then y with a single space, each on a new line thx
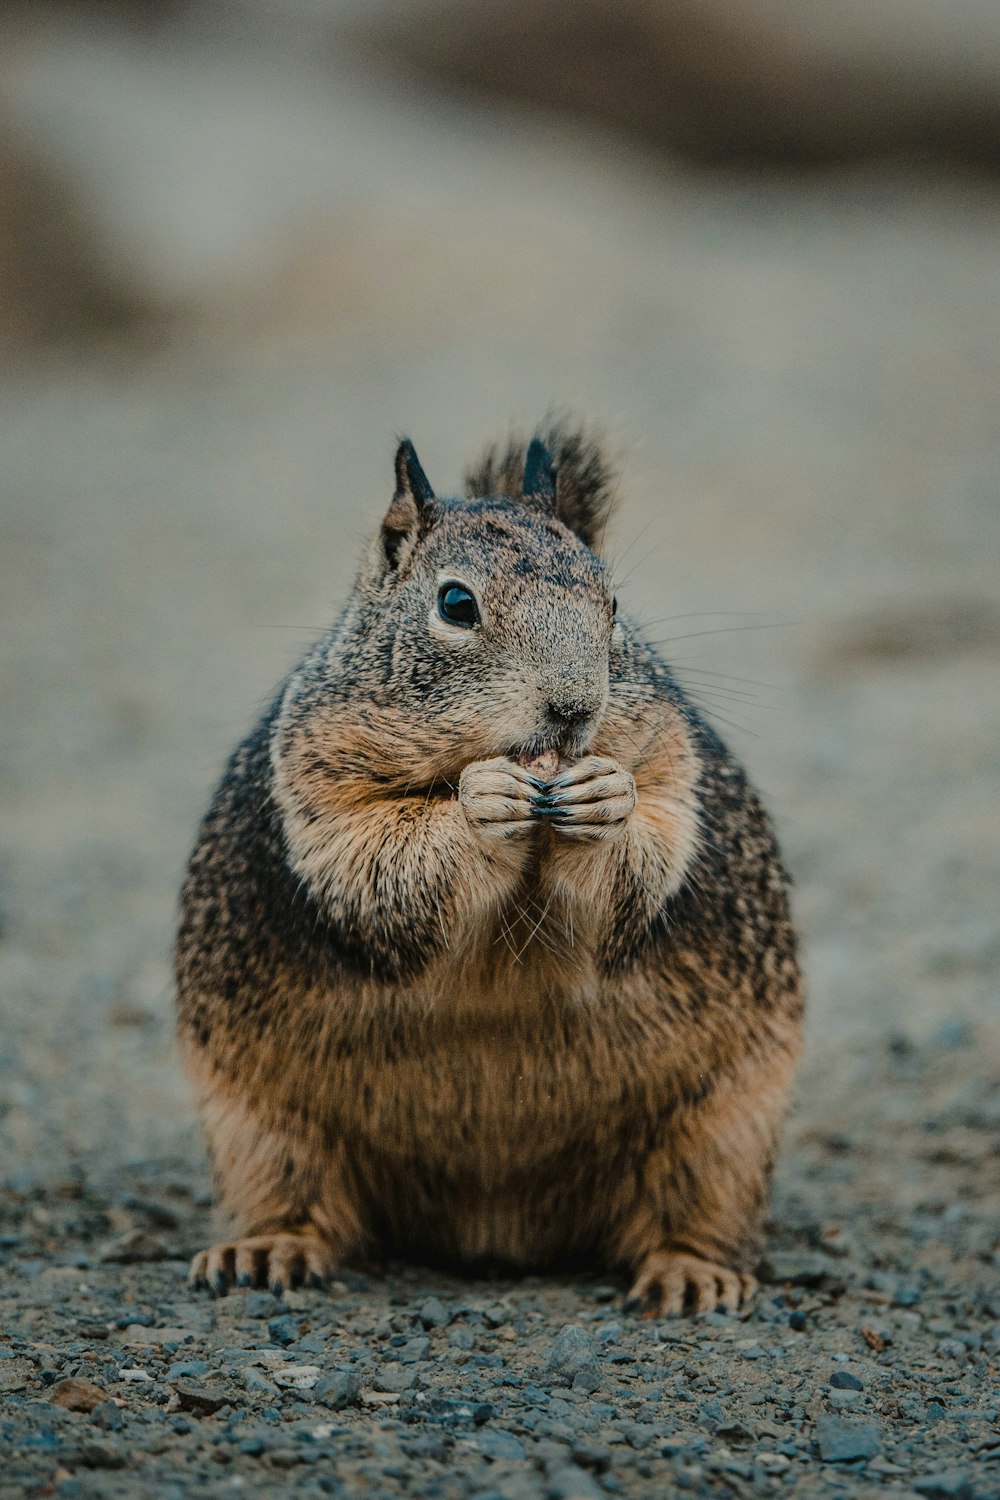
502 1157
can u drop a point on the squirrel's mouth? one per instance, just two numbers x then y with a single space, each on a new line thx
552 751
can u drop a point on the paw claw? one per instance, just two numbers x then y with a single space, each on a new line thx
672 1282
276 1261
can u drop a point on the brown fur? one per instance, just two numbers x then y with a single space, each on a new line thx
533 1041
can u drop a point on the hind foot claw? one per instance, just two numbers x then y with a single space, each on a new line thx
277 1261
672 1282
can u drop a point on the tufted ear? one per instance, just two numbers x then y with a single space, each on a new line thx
408 516
567 460
539 474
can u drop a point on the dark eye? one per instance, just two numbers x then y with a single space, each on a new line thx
614 606
457 605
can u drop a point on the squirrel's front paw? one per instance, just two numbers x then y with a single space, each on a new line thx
278 1261
593 800
497 797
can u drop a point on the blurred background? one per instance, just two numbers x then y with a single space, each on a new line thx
244 243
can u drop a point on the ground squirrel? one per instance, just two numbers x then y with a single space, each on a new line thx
485 954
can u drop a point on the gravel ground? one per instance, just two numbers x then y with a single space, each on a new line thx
804 379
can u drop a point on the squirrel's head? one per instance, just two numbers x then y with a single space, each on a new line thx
491 618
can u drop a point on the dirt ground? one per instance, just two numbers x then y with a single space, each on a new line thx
803 380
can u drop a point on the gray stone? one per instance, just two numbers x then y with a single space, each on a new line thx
394 1379
797 1267
258 1384
591 1455
202 1400
338 1389
843 1400
497 1444
572 1359
188 1367
950 1484
285 1330
569 1482
431 1445
136 1245
841 1442
414 1350
261 1305
108 1416
433 1313
459 1414
96 1455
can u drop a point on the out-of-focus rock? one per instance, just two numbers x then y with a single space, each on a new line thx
788 82
53 285
924 630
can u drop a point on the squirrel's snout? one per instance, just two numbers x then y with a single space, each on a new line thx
572 711
573 700
568 717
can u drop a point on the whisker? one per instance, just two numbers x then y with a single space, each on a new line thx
693 614
678 663
634 542
444 930
505 935
538 924
621 582
713 713
737 694
723 630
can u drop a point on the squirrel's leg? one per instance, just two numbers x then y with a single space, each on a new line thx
289 1200
691 1232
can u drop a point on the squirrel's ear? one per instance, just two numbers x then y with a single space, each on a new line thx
410 477
407 516
539 474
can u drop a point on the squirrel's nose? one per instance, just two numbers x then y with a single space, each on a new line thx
569 713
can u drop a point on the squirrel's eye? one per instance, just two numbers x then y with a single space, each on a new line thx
614 606
457 605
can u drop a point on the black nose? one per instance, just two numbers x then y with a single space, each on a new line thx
568 715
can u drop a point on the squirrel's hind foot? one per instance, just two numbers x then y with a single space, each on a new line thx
671 1282
277 1261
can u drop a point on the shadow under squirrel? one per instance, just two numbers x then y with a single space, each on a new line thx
485 953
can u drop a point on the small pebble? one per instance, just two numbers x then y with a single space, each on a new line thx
433 1313
77 1395
841 1441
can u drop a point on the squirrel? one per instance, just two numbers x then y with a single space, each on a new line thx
485 954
